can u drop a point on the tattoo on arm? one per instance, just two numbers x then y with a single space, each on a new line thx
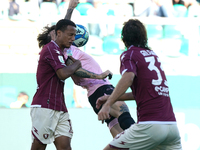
85 74
124 108
82 72
69 13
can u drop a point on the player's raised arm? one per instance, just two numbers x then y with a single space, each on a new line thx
72 5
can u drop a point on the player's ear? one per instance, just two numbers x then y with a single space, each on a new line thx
59 33
126 44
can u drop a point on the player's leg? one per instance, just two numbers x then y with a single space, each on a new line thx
112 123
121 111
63 132
41 130
114 126
36 145
116 129
63 143
109 148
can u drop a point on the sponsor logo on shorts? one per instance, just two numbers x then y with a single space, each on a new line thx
45 136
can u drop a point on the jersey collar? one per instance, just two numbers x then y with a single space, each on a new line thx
54 43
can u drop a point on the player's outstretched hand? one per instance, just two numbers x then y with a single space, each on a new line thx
107 73
104 113
73 4
101 100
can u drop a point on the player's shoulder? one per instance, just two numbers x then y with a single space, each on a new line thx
49 46
52 45
139 51
74 48
77 51
128 54
132 49
51 49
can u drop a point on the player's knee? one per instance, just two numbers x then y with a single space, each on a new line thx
118 108
64 148
69 148
62 143
121 104
125 120
37 145
122 107
107 147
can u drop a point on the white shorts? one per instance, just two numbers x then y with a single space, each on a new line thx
147 137
48 124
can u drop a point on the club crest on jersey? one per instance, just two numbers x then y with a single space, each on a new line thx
61 59
45 136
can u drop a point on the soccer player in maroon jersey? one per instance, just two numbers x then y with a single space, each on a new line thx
141 70
49 114
50 118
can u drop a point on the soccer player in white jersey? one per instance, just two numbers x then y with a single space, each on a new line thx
141 70
121 118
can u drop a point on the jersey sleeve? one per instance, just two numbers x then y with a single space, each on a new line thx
127 64
55 59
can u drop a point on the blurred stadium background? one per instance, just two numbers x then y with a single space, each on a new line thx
176 40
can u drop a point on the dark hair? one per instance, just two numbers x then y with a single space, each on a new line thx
62 25
44 37
134 33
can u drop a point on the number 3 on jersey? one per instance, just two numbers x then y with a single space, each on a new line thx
152 67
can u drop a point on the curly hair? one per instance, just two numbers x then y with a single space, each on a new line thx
134 33
44 37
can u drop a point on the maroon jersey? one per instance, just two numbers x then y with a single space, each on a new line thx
50 92
149 87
